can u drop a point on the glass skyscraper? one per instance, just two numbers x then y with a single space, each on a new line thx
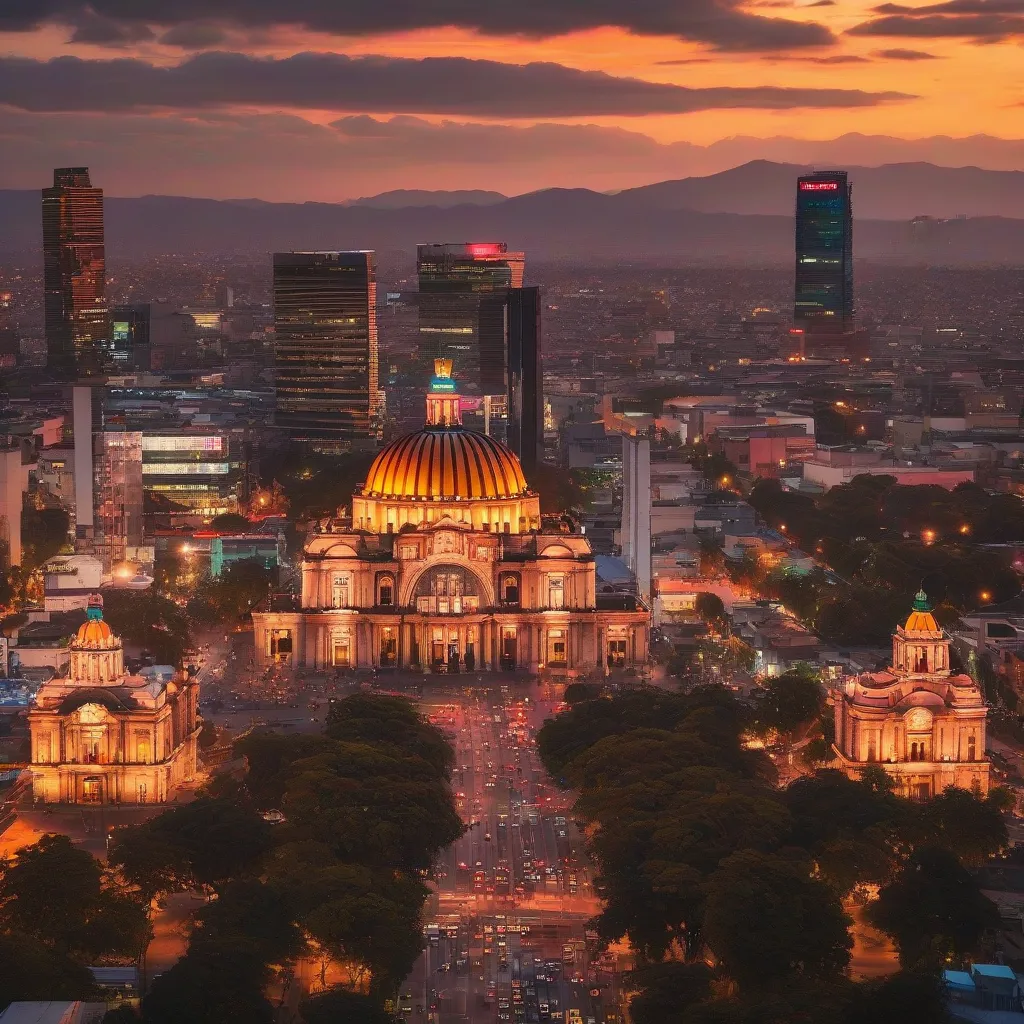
525 377
824 253
325 319
74 274
462 299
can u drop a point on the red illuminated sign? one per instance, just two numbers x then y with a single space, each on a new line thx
819 186
484 249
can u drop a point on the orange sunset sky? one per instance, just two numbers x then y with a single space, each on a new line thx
331 99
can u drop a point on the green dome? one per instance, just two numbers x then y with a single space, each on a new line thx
921 603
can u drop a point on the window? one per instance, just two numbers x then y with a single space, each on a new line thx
510 590
340 597
972 749
386 591
556 591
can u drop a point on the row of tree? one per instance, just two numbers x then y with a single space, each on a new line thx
702 860
367 807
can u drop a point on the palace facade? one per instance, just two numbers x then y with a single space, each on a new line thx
922 724
101 736
445 564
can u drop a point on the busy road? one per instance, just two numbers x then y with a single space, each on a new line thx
505 939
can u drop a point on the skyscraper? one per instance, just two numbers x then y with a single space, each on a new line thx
74 273
462 307
824 253
636 510
525 381
325 318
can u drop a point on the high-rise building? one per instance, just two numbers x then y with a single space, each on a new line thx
129 336
525 379
462 304
74 274
636 510
824 253
325 318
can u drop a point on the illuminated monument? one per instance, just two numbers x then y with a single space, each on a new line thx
922 724
100 736
445 564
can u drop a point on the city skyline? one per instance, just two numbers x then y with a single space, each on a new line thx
313 104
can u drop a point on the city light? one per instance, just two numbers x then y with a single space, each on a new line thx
986 596
928 536
965 529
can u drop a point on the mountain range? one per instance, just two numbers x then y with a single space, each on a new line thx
740 215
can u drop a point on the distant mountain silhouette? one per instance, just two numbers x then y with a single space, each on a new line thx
743 215
889 192
401 197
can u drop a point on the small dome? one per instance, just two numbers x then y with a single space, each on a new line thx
445 463
921 619
94 633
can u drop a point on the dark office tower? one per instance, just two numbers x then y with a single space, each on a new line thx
74 274
824 253
461 308
325 319
525 377
129 336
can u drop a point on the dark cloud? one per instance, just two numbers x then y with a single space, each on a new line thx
900 54
835 58
985 20
194 36
722 24
331 81
101 31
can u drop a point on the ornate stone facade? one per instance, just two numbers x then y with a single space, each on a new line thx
445 564
922 724
102 736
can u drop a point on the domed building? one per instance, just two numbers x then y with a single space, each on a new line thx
922 724
101 736
446 565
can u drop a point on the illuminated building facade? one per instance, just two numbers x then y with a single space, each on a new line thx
197 472
445 564
101 736
924 725
129 336
74 274
325 320
462 308
823 301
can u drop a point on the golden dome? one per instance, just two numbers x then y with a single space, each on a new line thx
95 633
445 463
921 619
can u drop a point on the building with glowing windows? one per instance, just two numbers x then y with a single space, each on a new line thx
463 294
101 736
325 323
823 302
444 563
921 723
74 274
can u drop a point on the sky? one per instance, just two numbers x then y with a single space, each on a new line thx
326 100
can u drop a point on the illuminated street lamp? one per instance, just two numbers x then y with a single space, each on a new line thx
985 596
965 529
928 536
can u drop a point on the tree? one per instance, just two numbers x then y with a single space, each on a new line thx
799 927
238 589
55 893
338 1004
933 909
666 990
221 984
969 827
711 609
575 693
31 970
44 532
791 700
204 842
253 915
150 621
906 997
